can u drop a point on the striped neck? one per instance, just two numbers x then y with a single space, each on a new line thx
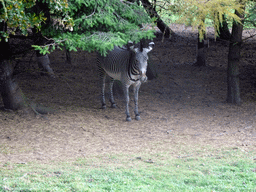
133 70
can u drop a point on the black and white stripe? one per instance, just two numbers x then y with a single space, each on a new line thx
127 65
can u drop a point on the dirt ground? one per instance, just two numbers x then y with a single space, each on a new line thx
183 108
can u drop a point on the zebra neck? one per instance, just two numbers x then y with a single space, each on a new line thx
133 70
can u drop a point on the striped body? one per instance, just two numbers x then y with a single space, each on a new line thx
127 65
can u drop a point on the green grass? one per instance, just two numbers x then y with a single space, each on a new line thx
229 170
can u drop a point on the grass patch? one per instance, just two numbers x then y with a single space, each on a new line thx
229 170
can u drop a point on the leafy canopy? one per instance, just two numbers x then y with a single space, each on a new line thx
18 14
250 14
88 25
195 13
99 25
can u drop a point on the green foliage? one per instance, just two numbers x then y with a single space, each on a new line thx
99 25
18 14
196 13
44 49
250 15
15 15
87 25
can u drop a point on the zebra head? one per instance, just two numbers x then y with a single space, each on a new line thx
141 61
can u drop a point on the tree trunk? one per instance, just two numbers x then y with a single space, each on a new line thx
153 13
42 60
223 29
201 51
10 91
233 95
68 57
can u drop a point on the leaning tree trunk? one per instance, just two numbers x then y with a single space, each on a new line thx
43 61
11 93
233 62
153 13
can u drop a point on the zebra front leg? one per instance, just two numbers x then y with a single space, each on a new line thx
111 99
136 98
103 76
126 96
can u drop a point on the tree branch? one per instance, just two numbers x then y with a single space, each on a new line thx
93 11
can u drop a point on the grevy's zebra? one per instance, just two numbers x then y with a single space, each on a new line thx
128 65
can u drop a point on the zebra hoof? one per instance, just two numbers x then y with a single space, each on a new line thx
137 117
103 106
113 105
128 118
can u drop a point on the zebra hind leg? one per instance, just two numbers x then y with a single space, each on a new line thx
111 99
103 78
127 99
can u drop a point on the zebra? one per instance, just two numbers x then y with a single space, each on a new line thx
128 65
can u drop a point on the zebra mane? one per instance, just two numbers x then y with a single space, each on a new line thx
141 46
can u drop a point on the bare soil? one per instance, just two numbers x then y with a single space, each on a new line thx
183 108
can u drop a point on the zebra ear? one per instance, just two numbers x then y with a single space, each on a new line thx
130 45
151 46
